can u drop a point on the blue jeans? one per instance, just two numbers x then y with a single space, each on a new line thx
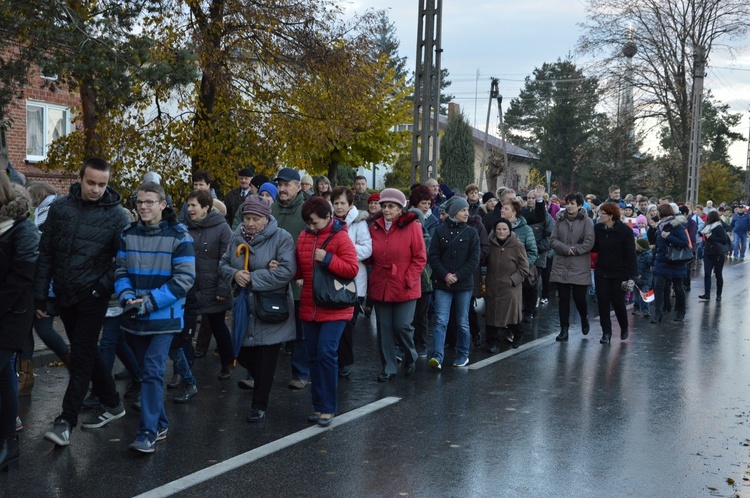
181 366
640 304
50 337
300 361
322 339
113 343
443 300
740 244
152 352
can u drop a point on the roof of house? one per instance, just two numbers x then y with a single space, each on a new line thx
496 143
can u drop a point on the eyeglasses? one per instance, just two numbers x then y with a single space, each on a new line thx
147 203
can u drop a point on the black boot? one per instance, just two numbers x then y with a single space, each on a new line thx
563 335
605 338
585 327
9 454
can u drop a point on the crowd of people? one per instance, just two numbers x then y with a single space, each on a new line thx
297 261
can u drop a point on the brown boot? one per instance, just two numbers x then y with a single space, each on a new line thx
26 378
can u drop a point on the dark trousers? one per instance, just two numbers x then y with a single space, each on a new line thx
546 271
713 263
83 321
579 298
203 339
421 321
609 291
346 344
493 333
661 294
221 334
8 397
528 296
322 340
260 361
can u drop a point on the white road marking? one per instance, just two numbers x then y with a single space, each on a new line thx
505 354
220 468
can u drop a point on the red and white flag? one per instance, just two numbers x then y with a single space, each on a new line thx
647 296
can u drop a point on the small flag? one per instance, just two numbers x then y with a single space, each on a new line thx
647 296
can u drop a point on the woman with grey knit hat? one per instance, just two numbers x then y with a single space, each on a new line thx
454 255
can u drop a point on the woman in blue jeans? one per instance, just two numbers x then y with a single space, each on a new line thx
453 257
714 254
323 326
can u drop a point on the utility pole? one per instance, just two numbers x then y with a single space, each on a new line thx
424 150
694 161
505 148
494 92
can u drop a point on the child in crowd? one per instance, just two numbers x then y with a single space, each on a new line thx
645 280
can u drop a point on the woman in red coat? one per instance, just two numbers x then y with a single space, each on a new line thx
398 258
323 326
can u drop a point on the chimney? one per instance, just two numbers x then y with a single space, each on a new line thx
453 108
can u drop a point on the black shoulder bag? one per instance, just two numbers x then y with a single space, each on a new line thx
332 291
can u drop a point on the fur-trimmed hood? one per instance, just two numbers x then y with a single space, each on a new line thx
18 207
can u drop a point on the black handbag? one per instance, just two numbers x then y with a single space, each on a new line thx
679 255
332 291
271 307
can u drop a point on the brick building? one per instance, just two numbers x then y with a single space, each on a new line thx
44 113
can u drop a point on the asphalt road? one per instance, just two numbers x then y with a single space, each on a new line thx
665 413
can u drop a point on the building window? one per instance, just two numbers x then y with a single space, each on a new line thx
44 124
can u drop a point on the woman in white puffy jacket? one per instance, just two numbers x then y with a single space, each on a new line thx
359 232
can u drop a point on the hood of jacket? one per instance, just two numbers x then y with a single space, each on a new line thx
18 207
354 215
510 242
212 219
335 226
403 219
520 221
264 234
110 197
563 214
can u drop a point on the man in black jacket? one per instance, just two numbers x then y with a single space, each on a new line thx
76 252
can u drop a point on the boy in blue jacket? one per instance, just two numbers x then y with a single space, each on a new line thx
155 268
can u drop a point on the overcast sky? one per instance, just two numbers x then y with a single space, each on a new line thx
509 39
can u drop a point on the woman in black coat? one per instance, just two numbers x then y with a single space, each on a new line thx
615 267
714 254
19 241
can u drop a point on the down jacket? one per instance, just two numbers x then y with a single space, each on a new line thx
616 251
272 243
526 237
155 263
340 259
359 233
19 242
398 258
454 249
211 237
577 234
678 237
507 267
78 246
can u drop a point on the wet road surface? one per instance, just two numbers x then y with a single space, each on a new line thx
665 413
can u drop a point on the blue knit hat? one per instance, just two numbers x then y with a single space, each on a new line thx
270 188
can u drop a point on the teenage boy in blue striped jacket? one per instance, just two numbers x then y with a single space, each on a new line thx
155 268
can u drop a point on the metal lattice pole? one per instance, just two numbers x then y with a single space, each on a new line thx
694 162
424 151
